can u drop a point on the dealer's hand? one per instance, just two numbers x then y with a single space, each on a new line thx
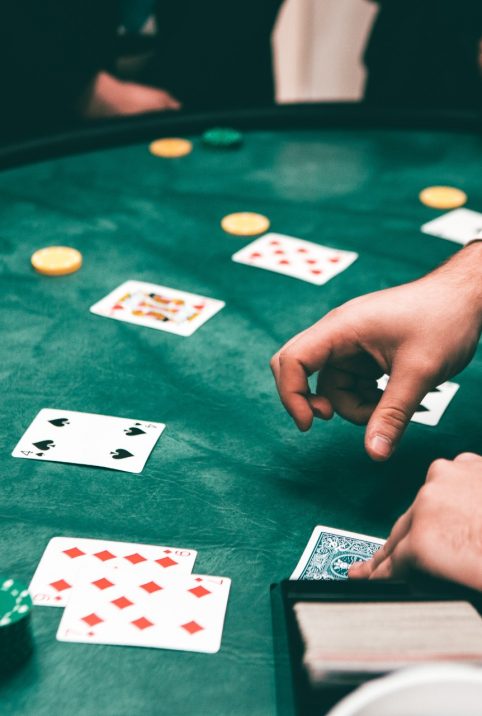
441 533
421 333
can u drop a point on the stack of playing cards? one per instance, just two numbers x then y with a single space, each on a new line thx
350 641
131 594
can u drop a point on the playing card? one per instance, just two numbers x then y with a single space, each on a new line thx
177 611
69 561
166 309
295 257
330 553
460 225
89 439
433 406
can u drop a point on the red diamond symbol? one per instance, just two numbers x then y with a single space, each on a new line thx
92 619
151 587
199 591
302 251
283 261
279 251
311 261
165 562
60 585
198 579
122 602
104 555
255 255
317 271
135 558
74 552
103 583
334 259
142 623
167 551
274 243
192 627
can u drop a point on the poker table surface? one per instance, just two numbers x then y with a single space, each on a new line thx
231 476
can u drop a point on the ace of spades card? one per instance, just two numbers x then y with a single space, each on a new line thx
89 439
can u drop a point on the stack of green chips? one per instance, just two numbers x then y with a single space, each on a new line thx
15 634
222 138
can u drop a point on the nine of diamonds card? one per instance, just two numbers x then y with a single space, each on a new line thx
89 439
153 306
69 561
295 257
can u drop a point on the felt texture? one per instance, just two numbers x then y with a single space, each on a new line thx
231 476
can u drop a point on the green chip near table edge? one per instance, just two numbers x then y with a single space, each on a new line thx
222 137
15 613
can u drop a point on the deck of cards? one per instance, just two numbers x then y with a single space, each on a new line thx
131 594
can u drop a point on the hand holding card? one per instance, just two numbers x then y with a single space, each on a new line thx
331 552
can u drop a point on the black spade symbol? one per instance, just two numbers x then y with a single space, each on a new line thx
44 444
120 454
59 422
134 431
422 409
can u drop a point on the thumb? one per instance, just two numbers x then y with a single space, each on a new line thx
405 390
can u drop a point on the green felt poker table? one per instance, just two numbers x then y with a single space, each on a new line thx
231 477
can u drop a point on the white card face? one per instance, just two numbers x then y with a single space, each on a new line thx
460 225
68 562
184 612
433 406
89 439
330 553
160 307
295 257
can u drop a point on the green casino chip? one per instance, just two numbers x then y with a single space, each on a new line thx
15 635
222 137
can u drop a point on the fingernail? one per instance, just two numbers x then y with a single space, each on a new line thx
382 446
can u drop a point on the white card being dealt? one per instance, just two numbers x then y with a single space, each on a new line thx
166 309
69 561
433 406
184 612
331 552
295 257
460 225
89 439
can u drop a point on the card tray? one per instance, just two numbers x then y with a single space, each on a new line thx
295 695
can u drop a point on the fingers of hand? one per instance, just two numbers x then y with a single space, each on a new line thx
291 374
407 386
401 528
353 397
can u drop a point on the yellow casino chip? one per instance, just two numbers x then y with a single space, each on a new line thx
443 197
57 260
245 223
170 148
